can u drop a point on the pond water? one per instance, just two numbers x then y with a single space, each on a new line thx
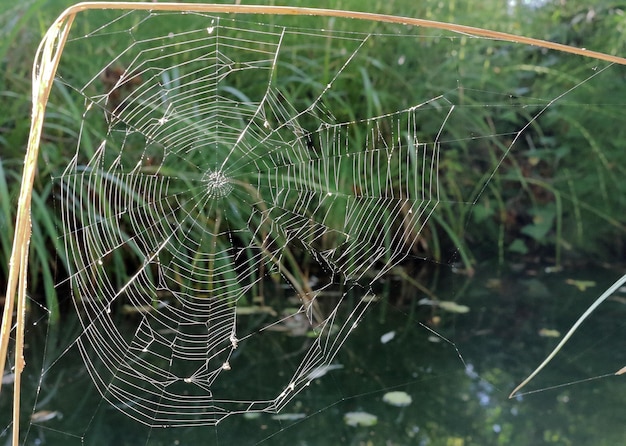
458 390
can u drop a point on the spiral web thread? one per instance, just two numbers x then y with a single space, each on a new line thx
205 185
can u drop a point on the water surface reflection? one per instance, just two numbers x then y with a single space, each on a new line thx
459 390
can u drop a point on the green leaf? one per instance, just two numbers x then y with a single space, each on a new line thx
482 211
543 222
518 246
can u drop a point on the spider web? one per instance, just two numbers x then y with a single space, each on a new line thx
209 185
229 186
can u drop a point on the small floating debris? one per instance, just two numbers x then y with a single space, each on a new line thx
252 415
582 285
288 416
8 378
362 419
494 284
446 305
45 415
397 398
549 333
255 309
553 269
322 370
387 337
453 307
370 298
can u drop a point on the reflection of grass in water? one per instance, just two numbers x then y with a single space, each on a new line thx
608 293
446 400
55 382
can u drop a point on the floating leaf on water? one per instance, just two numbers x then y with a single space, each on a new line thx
445 305
252 415
387 337
360 419
536 288
322 370
549 333
582 285
288 416
255 309
453 307
8 378
621 371
370 298
494 284
398 398
553 269
45 415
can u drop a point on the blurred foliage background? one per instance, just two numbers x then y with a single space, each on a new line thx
558 197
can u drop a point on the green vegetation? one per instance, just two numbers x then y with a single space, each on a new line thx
558 195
